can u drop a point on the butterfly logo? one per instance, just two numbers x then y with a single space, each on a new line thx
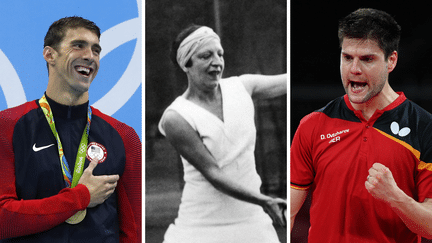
397 131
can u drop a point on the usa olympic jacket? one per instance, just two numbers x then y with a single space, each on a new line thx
34 202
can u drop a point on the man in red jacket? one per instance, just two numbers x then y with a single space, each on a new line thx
366 156
69 173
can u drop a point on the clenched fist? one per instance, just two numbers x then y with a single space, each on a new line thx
381 184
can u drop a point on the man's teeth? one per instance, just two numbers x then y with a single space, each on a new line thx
357 85
83 70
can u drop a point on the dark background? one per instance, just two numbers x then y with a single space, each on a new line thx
253 35
315 54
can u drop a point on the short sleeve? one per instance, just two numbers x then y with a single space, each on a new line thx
302 169
424 169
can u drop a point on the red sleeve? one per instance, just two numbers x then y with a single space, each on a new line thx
129 186
129 192
424 181
302 170
24 217
423 176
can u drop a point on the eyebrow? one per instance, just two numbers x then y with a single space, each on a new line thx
97 46
361 56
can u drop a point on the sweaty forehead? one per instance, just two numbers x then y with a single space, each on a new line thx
361 47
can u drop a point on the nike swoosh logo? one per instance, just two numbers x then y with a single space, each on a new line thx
40 148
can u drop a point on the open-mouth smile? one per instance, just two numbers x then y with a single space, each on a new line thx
83 70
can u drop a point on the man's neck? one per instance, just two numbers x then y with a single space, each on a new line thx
66 97
379 102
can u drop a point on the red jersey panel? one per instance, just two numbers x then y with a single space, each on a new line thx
331 153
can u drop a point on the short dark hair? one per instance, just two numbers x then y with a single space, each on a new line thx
176 43
58 29
367 23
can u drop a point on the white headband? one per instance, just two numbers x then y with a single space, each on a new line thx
191 43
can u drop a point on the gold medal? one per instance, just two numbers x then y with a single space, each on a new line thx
77 218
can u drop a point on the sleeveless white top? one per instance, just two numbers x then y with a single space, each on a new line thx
206 214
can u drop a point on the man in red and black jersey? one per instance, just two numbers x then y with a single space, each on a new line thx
69 173
367 156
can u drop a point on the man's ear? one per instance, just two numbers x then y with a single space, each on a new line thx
50 54
392 61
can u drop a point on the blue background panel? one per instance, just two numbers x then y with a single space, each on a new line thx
24 73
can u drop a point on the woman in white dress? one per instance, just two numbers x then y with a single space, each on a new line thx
212 127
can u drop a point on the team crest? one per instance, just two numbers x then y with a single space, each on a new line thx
96 150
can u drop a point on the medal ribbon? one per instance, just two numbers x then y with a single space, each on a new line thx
71 181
